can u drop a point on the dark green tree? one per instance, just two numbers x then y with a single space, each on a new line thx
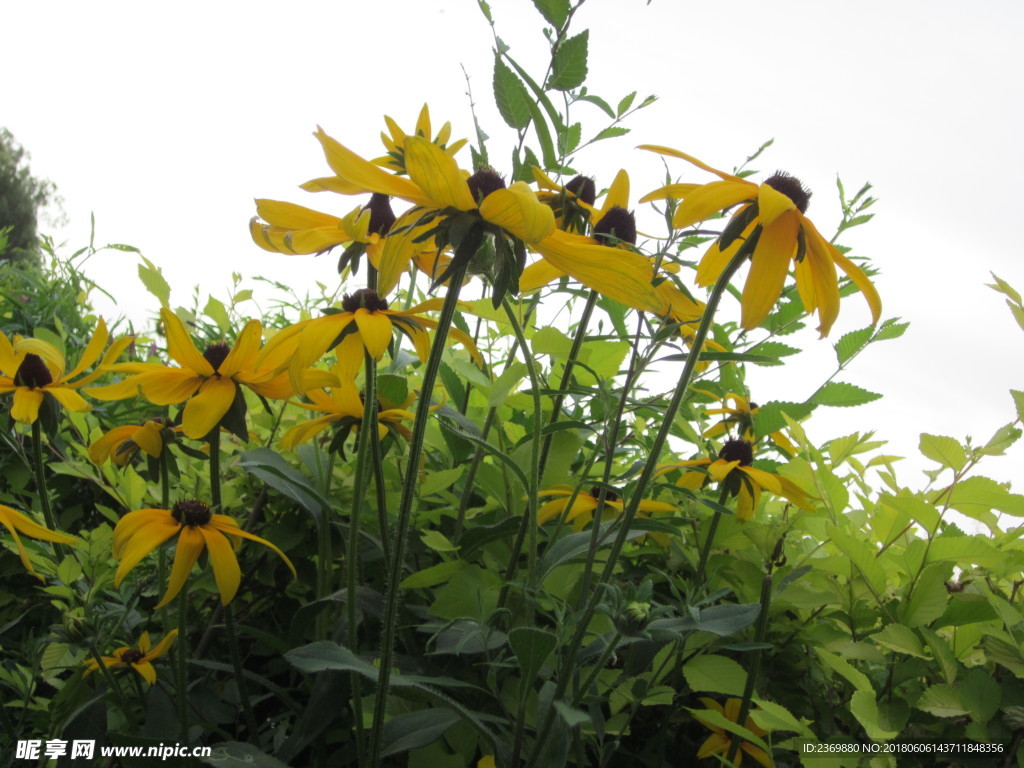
22 195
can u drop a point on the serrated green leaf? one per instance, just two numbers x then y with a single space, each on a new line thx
928 600
569 68
715 674
1005 288
891 330
437 541
775 349
864 707
610 133
1018 402
439 480
861 555
775 717
901 639
152 277
555 12
551 341
624 104
852 343
216 311
432 576
769 416
598 101
846 670
942 700
944 450
840 394
505 383
1004 437
511 96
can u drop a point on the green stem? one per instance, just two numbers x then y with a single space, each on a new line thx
165 503
44 494
112 683
182 660
705 551
236 665
215 496
645 478
367 435
389 622
755 664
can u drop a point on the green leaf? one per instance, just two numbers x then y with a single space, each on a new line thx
852 343
574 545
901 639
775 717
511 96
601 103
624 104
864 707
393 389
721 620
942 700
216 311
945 450
439 480
413 730
508 462
980 694
571 717
942 653
842 395
928 600
982 493
152 277
861 556
432 576
271 468
718 720
1004 653
775 349
846 670
716 674
610 133
555 12
235 754
963 550
437 541
569 68
769 416
505 383
890 329
532 646
1018 402
1003 287
1004 437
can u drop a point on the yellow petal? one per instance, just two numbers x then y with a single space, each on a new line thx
235 531
300 433
771 204
768 269
26 404
148 438
766 480
69 399
204 411
163 646
399 249
181 347
852 271
190 546
102 448
166 387
816 276
14 520
281 214
364 174
225 565
437 174
375 330
618 194
9 362
690 159
132 522
145 540
538 275
711 198
518 211
145 669
93 350
245 349
670 192
333 184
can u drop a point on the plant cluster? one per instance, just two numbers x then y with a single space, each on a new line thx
509 500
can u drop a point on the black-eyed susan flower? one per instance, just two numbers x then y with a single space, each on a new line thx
582 510
719 741
770 221
208 380
364 323
740 419
140 658
343 405
15 521
140 532
741 480
290 228
121 443
32 368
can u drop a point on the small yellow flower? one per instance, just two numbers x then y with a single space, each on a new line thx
741 418
15 521
32 369
772 216
582 510
139 658
139 533
720 739
121 443
208 380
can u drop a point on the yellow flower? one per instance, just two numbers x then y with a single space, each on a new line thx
139 533
771 220
292 228
208 380
733 467
364 322
121 443
720 739
32 369
741 417
139 658
395 143
345 405
15 521
582 510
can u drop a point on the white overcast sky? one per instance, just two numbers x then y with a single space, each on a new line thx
166 120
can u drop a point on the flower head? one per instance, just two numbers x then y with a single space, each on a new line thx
208 380
771 224
32 368
720 740
140 658
740 417
15 521
139 533
121 443
582 510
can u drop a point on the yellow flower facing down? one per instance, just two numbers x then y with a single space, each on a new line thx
140 658
139 533
395 140
291 228
745 482
15 521
208 380
120 444
582 510
741 418
32 369
771 219
720 739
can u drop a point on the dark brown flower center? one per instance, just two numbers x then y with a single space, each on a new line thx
618 225
483 182
608 495
33 372
584 189
364 298
132 656
381 216
738 450
216 354
792 188
191 513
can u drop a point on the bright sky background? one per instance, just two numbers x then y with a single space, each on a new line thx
167 120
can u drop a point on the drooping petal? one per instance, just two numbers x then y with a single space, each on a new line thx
690 159
29 527
226 572
852 271
69 399
669 192
771 204
818 284
163 646
236 531
204 411
300 433
145 669
25 407
190 546
437 174
278 213
716 259
244 351
375 329
149 439
768 269
711 198
766 480
92 351
364 175
132 522
400 247
181 347
102 448
537 275
518 211
167 386
8 360
147 538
